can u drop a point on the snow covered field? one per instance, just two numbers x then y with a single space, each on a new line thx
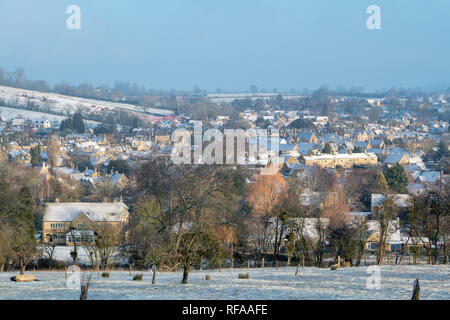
62 103
311 283
12 113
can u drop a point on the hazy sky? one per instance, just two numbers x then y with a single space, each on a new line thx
230 44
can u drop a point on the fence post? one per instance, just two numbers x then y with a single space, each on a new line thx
83 292
416 291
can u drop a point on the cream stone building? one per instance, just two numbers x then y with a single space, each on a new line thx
64 223
345 160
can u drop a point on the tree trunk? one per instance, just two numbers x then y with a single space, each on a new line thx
444 249
185 275
435 260
154 275
22 266
2 267
381 251
232 256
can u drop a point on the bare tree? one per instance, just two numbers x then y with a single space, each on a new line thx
387 211
53 150
101 242
263 197
49 248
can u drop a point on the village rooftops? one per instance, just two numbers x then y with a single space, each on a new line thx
341 156
98 212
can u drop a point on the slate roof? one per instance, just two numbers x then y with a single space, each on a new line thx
393 158
429 176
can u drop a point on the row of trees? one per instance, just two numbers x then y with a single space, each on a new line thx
186 216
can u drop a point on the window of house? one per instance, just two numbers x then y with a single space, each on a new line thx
58 225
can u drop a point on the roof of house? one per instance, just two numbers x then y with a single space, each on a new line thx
305 135
287 147
394 158
400 200
306 147
111 212
376 143
429 176
394 235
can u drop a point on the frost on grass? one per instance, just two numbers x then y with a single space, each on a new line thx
310 283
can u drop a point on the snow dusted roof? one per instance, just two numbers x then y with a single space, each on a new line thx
430 176
400 200
373 226
341 156
111 212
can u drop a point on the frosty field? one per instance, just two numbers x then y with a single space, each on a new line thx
310 283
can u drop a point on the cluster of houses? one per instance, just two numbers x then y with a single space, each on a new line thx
332 143
398 239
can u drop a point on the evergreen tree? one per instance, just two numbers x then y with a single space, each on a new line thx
358 149
327 149
381 184
75 122
136 123
396 178
301 124
442 151
36 158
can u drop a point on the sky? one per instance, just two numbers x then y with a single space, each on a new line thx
177 44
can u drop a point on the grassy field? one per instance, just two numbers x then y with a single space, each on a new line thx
310 283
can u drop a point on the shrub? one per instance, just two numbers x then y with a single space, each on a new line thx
138 277
105 275
243 276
